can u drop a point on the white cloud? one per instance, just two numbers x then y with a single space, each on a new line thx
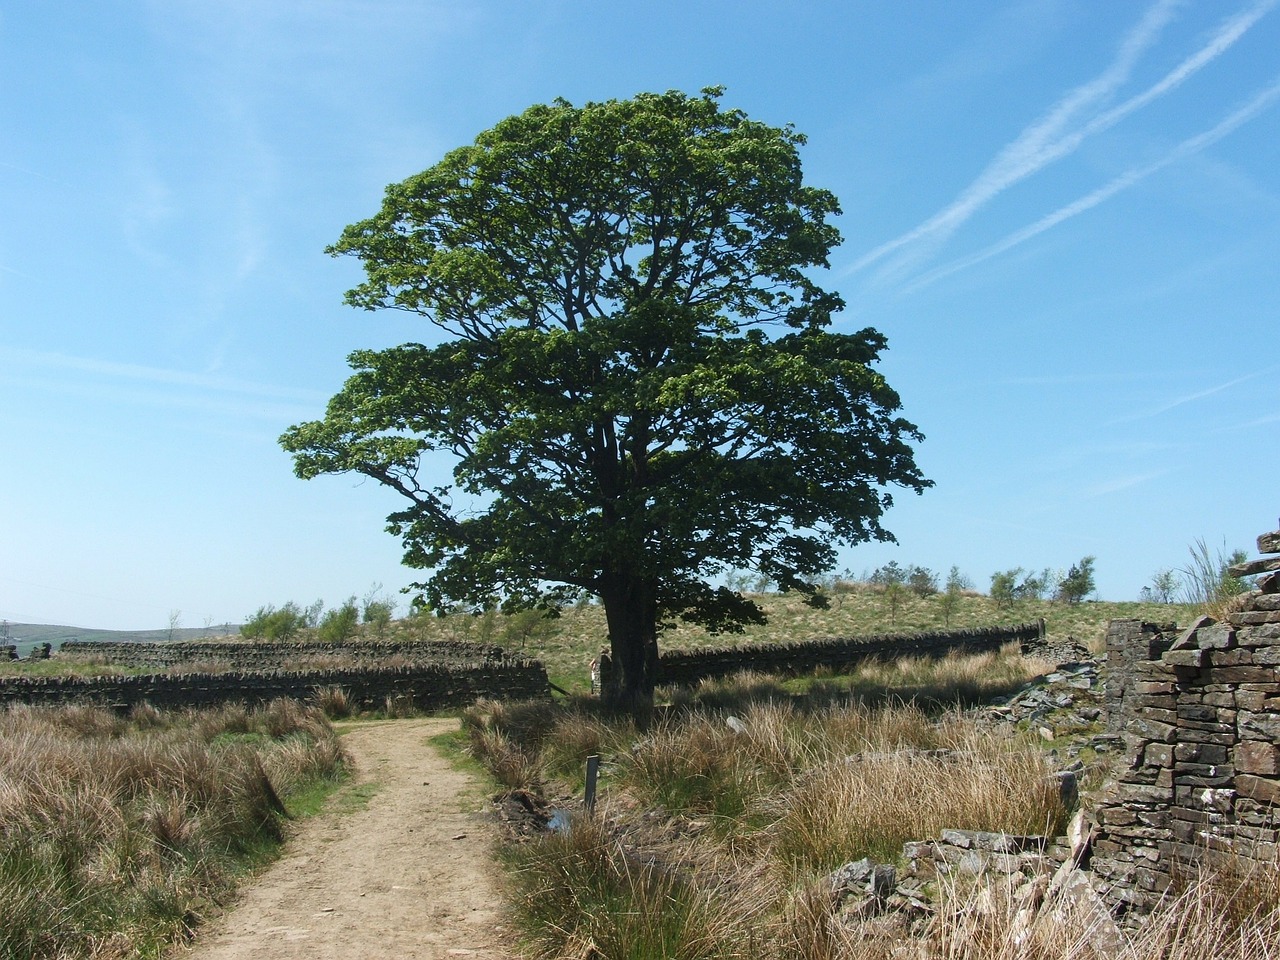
1049 138
1125 180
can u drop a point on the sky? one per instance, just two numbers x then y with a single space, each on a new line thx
1065 216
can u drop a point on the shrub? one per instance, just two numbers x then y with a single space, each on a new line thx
268 623
339 624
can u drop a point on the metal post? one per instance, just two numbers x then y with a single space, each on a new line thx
593 769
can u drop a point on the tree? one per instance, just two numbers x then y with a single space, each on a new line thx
1165 584
1004 587
1078 583
922 581
638 387
957 583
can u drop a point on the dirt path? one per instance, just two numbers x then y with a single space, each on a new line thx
406 877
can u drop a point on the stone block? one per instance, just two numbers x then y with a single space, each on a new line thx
1269 583
1253 567
1117 817
1252 618
1258 757
1191 657
1266 601
1218 636
1259 636
1262 789
1269 542
1225 700
1153 687
1254 674
1259 726
1154 731
1158 755
1239 656
1211 753
1268 656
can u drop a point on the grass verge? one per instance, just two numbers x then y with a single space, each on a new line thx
121 833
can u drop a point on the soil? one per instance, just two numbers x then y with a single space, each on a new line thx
408 876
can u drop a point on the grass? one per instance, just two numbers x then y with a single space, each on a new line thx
716 838
120 833
719 825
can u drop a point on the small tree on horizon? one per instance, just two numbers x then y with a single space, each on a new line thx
1078 583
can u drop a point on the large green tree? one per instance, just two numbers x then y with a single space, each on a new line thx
634 376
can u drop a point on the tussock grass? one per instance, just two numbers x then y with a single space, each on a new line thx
720 824
117 834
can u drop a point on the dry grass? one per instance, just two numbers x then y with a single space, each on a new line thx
720 824
119 833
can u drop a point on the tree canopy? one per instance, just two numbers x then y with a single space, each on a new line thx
634 375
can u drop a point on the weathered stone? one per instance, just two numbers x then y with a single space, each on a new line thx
1257 700
1267 601
1158 755
1240 656
1187 639
1153 687
1260 726
1249 618
1269 542
1269 583
1193 657
1156 732
852 875
1201 753
1264 790
1254 674
1252 567
1218 636
1256 756
1267 657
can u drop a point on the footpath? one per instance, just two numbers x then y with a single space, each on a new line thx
406 877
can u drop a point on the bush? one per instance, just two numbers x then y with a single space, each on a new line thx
339 624
268 623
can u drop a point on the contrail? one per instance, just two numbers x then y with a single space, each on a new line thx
1125 180
1042 142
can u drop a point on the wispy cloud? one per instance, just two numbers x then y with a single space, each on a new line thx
17 361
1053 137
1183 400
1123 483
1129 178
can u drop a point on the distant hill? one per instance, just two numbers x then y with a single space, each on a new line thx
28 635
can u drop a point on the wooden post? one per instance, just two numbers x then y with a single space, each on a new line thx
593 769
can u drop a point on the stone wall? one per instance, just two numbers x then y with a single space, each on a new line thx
275 655
426 686
1201 722
688 667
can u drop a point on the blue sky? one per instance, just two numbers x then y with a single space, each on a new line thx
1064 215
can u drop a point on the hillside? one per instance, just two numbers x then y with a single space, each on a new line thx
28 635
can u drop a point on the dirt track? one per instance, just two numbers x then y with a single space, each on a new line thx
407 877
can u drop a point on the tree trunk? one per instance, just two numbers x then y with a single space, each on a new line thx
631 610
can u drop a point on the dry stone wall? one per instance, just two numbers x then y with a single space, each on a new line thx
1200 714
688 667
425 686
267 655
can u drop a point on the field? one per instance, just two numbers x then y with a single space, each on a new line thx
568 643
